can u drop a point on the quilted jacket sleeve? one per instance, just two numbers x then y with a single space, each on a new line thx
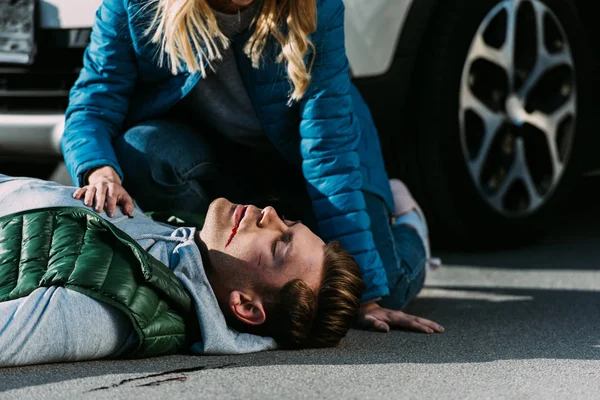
99 101
330 134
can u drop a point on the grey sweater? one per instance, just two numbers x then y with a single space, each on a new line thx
34 329
221 99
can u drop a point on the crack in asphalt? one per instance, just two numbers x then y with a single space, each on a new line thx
158 382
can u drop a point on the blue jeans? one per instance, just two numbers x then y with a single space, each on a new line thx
171 164
402 252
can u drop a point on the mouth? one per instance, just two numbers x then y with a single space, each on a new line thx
238 216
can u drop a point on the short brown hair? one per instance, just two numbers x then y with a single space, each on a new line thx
297 317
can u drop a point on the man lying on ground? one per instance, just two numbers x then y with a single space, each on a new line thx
76 285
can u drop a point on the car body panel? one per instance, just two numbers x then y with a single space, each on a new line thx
372 31
68 14
31 134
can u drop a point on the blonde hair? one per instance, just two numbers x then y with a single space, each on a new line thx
188 34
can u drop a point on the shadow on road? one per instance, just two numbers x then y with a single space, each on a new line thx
550 324
573 241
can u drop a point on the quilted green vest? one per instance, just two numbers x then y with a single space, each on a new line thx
75 248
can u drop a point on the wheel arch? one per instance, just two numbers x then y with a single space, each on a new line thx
591 26
405 78
590 32
402 76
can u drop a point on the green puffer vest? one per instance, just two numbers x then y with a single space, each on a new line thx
75 248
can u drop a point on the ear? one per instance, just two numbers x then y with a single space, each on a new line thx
248 309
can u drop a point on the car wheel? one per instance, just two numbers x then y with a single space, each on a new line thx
503 109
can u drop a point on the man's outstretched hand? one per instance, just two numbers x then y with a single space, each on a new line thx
104 189
373 316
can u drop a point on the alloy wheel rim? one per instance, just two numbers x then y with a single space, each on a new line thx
518 106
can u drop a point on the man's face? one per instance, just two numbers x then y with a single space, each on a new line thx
250 248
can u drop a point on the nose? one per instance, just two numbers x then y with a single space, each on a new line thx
270 219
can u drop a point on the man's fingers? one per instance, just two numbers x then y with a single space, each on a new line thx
88 200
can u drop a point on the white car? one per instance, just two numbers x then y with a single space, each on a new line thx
485 107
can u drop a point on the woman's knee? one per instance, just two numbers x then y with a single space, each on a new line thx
166 147
157 158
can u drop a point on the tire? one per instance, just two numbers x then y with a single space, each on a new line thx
460 201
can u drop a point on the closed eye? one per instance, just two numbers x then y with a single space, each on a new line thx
286 238
274 247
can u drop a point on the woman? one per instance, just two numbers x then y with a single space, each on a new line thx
196 99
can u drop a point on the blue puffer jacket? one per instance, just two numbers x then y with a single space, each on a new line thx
330 133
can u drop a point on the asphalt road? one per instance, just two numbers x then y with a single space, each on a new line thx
520 324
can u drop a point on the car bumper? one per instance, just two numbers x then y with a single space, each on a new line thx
31 134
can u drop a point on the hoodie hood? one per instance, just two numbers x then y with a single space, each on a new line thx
185 260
